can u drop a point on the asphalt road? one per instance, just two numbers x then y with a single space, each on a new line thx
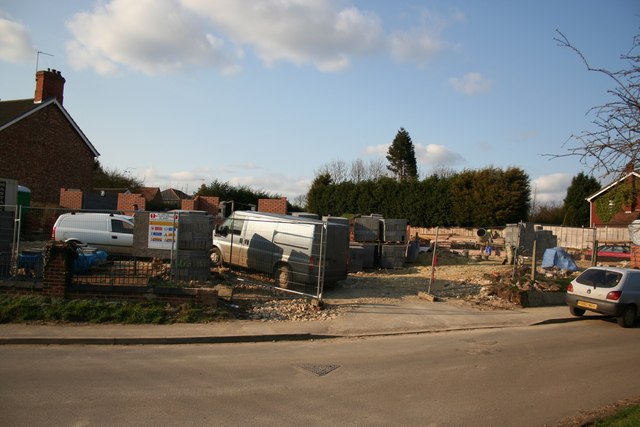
526 376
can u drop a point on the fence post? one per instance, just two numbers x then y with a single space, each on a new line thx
534 261
57 269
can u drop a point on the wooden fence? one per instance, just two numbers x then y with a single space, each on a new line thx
579 238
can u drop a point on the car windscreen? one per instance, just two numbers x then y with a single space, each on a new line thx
599 278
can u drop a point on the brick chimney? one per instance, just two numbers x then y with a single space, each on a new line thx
49 84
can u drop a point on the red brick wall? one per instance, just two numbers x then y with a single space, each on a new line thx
188 205
44 152
622 218
49 84
126 202
209 204
278 206
70 198
635 256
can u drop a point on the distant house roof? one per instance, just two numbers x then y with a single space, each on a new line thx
149 193
613 184
12 112
173 195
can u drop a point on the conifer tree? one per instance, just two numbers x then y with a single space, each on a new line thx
402 157
576 207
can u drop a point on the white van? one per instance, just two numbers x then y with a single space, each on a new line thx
284 247
111 233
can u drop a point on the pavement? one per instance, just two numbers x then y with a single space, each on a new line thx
404 316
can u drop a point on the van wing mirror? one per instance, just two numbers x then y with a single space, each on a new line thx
222 231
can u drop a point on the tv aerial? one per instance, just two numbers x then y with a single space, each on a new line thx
38 53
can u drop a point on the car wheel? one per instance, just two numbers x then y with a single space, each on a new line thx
282 276
576 311
216 257
628 317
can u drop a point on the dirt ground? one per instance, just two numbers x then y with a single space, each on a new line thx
473 281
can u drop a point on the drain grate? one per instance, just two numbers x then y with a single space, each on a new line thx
320 370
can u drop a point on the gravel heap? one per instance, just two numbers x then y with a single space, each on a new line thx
292 309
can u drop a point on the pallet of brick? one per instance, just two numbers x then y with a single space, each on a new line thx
356 257
393 230
370 255
392 256
366 229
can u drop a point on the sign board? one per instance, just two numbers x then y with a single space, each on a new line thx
163 230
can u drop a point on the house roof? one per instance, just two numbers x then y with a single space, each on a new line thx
613 184
11 112
149 193
172 194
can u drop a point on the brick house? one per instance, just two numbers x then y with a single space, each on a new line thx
41 146
173 198
617 204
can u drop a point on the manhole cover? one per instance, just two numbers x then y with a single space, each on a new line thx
320 370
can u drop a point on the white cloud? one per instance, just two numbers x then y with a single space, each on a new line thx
380 149
15 44
302 32
470 84
166 36
189 181
416 45
151 36
421 43
551 188
436 155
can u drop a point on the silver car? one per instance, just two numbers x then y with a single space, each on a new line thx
606 290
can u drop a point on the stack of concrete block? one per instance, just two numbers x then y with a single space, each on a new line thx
522 236
379 242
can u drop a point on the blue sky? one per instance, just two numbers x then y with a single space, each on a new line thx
264 93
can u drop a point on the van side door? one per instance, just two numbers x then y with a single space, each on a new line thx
121 233
260 250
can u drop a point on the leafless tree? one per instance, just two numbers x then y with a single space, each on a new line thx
615 143
377 169
358 171
336 169
443 172
300 201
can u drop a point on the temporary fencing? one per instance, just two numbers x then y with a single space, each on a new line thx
175 249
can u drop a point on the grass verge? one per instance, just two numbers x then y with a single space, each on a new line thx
625 417
19 309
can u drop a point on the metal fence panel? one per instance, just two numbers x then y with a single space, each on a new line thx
287 255
290 254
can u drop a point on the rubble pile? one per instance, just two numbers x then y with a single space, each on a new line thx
291 310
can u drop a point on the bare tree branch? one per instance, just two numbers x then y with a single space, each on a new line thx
615 142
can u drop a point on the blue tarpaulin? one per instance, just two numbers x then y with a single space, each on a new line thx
87 259
559 258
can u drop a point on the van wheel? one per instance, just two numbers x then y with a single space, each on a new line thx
216 257
628 317
282 276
